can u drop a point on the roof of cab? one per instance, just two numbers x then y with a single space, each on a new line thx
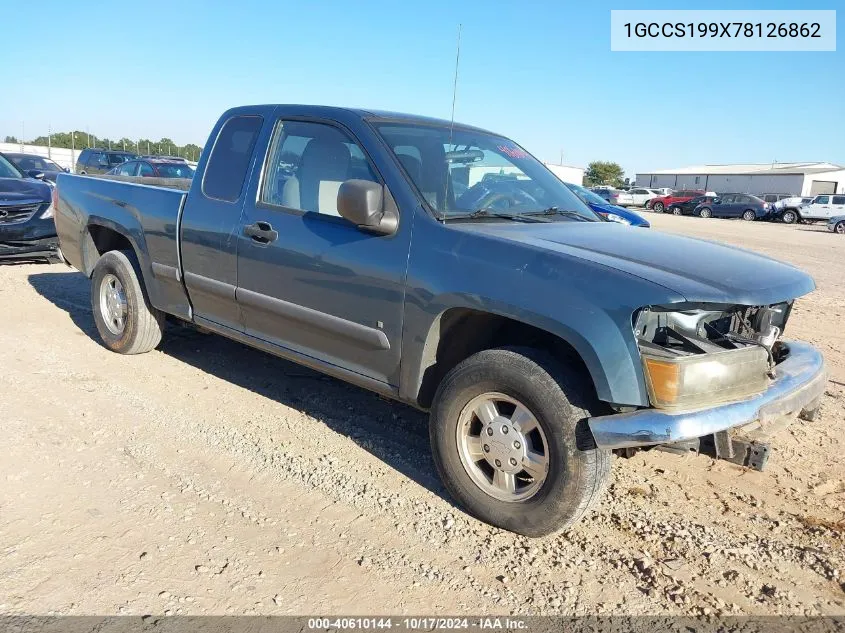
366 113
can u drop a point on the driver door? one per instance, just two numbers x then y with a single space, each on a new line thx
309 280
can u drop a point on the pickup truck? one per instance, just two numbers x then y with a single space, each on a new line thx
375 247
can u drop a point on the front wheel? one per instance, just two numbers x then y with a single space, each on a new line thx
790 217
657 207
510 441
705 213
126 321
839 228
749 216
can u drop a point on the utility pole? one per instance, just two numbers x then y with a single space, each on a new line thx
22 135
124 145
72 149
49 141
88 132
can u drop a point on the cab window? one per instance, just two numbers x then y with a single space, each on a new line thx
306 165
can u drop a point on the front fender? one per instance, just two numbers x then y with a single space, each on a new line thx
586 304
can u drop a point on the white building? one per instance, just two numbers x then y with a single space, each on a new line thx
567 173
799 179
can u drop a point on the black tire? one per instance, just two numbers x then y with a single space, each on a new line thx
560 400
705 212
143 324
748 215
790 216
657 207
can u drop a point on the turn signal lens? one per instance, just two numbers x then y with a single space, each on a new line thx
663 378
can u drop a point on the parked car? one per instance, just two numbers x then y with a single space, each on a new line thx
615 197
687 207
734 205
836 224
789 209
176 159
27 231
540 337
823 207
641 196
660 203
99 161
607 210
154 168
32 165
663 191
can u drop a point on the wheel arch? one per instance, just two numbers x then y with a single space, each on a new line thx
458 332
102 235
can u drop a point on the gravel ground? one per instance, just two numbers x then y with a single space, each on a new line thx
209 478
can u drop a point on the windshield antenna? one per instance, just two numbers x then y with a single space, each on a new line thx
455 85
452 121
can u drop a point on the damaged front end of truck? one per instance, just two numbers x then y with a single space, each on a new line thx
720 381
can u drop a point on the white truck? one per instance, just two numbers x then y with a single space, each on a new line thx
823 207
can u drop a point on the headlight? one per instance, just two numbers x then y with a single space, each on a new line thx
48 212
617 218
686 382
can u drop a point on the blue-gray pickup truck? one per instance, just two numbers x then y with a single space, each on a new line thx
445 267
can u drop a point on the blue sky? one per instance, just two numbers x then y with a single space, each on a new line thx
539 72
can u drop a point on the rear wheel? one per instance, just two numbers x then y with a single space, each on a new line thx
839 228
126 321
510 441
677 211
657 207
748 215
705 213
790 217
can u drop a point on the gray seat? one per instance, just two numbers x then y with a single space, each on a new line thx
324 166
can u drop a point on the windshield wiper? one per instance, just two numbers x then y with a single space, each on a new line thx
564 212
485 212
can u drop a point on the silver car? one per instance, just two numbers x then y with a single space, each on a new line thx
615 196
836 224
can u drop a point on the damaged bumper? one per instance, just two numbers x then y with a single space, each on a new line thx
799 383
42 248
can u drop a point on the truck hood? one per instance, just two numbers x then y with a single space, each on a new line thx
23 189
698 270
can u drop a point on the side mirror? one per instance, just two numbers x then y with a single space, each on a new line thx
716 200
35 173
369 206
67 170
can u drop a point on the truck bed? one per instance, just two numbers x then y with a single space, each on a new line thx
93 212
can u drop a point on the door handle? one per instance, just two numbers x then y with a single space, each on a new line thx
261 232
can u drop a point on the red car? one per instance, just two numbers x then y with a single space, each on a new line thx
661 203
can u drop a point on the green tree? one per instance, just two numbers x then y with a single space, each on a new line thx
11 139
603 173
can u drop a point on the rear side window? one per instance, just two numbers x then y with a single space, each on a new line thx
225 172
94 158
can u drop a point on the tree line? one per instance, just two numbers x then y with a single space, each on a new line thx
80 140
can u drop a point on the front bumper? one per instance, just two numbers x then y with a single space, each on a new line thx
799 383
43 248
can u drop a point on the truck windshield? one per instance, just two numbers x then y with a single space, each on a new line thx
462 171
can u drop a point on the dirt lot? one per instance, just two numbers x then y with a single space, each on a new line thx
206 477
